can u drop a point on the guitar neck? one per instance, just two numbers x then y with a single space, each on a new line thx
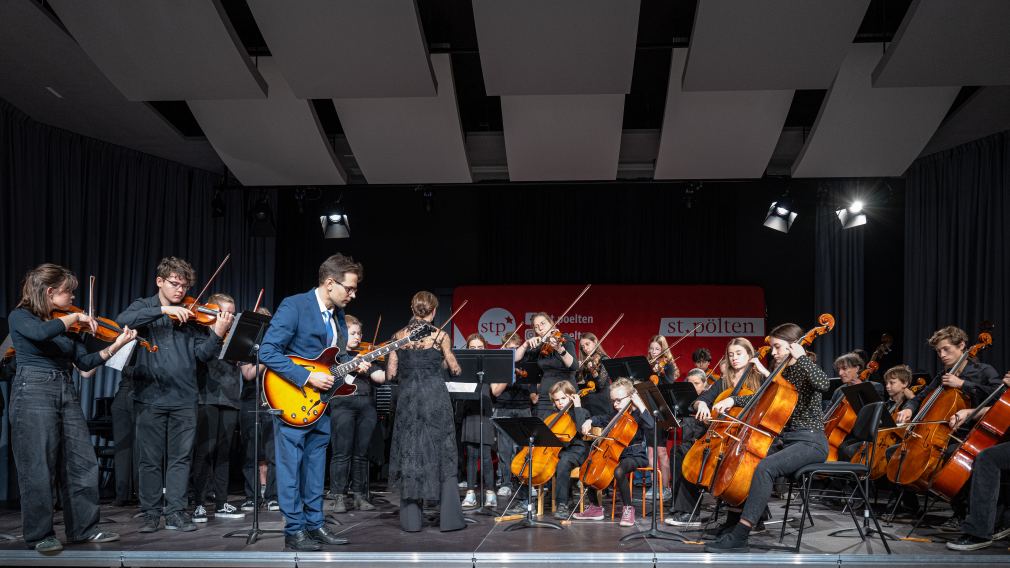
349 366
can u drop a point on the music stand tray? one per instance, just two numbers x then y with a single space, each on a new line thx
537 434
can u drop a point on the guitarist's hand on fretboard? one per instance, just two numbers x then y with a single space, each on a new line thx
320 381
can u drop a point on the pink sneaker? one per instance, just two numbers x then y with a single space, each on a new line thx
627 516
592 513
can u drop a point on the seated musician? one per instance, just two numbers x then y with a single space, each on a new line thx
621 391
803 440
739 354
979 527
574 452
849 366
897 383
702 359
691 429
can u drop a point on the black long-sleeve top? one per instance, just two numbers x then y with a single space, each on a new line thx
167 378
579 416
47 345
643 437
980 380
554 368
811 383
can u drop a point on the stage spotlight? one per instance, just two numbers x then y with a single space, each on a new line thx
335 225
780 216
852 216
261 218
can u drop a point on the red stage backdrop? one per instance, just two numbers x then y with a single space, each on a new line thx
724 312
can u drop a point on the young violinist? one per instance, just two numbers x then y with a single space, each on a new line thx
979 527
803 439
352 420
574 452
165 391
220 387
554 353
473 422
622 393
49 434
263 468
591 369
666 371
511 400
849 367
739 364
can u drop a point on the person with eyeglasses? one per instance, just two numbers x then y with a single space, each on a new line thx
305 324
165 392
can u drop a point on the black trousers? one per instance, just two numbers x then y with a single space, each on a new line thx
569 459
124 432
685 493
486 469
165 443
799 448
250 467
215 430
507 448
352 420
989 465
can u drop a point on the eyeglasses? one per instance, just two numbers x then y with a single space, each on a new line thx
177 285
616 400
349 289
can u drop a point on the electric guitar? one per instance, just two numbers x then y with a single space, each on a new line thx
302 406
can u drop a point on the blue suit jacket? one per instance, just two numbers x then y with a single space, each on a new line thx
298 329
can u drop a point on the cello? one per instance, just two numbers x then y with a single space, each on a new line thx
760 422
841 418
701 461
986 433
922 446
605 453
886 438
544 461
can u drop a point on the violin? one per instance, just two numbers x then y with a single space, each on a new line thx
605 453
108 330
550 342
760 422
545 460
203 314
922 447
368 347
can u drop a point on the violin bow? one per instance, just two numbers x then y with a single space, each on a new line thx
209 282
459 309
376 336
513 334
600 342
675 343
259 299
569 308
618 352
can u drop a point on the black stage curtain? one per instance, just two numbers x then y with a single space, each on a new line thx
112 212
957 247
838 278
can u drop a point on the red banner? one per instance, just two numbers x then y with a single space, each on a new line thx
719 312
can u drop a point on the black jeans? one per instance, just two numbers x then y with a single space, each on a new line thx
165 443
506 446
685 493
352 420
215 429
799 448
124 432
985 479
487 471
569 459
250 467
50 438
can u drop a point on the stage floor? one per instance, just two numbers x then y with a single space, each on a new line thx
376 539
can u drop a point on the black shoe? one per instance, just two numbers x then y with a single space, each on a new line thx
758 528
179 521
323 536
969 542
48 544
517 508
151 523
302 542
339 503
562 512
732 518
97 536
247 505
361 503
728 542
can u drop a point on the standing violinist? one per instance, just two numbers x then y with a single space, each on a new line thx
352 420
473 423
49 435
591 370
622 395
979 527
554 353
666 372
165 391
803 439
511 400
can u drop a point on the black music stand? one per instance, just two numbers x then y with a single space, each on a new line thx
537 434
478 365
636 368
666 418
242 345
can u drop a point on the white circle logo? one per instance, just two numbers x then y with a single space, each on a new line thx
495 325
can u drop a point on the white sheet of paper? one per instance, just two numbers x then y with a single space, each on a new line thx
122 357
461 387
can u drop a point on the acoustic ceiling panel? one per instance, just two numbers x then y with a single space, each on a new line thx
985 113
154 50
275 141
949 42
863 131
347 48
773 44
562 137
718 134
408 140
560 47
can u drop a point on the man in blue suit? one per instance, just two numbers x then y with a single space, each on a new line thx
304 325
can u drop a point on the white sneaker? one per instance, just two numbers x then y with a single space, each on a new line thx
229 511
200 514
470 501
490 499
462 485
504 491
533 491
